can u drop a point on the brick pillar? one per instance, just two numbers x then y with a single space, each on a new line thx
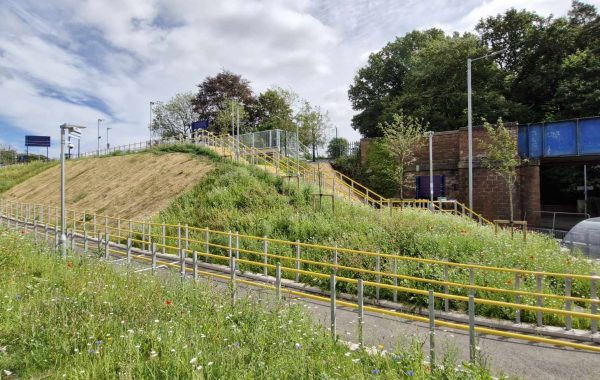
530 191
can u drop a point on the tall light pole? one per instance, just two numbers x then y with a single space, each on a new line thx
470 120
107 143
98 151
430 133
75 129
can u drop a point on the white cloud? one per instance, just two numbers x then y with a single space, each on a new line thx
77 60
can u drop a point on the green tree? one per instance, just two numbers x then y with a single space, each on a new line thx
402 137
377 85
378 171
175 117
501 157
337 147
313 126
274 110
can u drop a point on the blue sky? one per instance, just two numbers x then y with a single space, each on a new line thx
79 60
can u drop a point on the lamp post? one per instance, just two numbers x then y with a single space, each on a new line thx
470 119
98 151
107 143
75 129
430 133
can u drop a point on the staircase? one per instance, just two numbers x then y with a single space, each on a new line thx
323 176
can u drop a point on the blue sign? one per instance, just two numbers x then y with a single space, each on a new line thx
200 125
42 141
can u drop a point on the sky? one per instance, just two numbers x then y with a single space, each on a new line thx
75 61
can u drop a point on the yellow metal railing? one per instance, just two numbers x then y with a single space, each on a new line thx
514 291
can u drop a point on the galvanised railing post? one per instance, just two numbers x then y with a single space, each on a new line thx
472 341
229 244
594 298
106 247
377 276
517 297
232 265
446 289
332 283
129 250
237 246
395 269
568 303
265 257
297 260
278 281
431 329
153 252
539 301
207 242
361 311
181 263
195 265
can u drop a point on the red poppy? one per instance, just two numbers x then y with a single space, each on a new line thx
509 282
463 232
69 264
168 302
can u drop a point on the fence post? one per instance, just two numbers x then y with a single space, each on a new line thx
361 311
278 281
472 348
164 238
153 251
128 250
35 230
265 258
195 263
237 246
539 301
431 329
206 239
232 265
229 244
106 245
333 306
95 227
297 260
187 236
446 290
45 232
517 297
72 241
568 318
181 263
472 281
594 297
377 276
395 269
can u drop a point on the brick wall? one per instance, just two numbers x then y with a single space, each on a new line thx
490 193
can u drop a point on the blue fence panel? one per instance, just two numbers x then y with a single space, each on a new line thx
589 136
560 138
535 139
522 144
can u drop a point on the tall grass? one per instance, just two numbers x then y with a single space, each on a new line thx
251 201
13 175
83 319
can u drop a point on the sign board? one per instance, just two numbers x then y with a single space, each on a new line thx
41 141
75 133
200 125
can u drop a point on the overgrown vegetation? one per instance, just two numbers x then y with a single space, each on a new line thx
80 318
13 175
251 201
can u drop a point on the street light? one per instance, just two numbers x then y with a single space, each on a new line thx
470 120
430 133
107 143
98 151
75 130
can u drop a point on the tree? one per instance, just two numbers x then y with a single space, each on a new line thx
402 137
274 110
313 126
175 118
377 85
378 172
338 147
501 156
214 93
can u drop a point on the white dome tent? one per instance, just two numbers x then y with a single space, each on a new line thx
585 237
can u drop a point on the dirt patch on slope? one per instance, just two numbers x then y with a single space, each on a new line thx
131 186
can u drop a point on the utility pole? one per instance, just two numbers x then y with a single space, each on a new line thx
98 151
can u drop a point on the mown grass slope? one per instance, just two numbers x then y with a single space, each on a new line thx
80 318
15 174
251 201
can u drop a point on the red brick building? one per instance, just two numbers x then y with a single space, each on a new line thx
490 193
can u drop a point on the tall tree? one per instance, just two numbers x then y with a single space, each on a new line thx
376 87
402 137
175 117
313 126
214 95
274 110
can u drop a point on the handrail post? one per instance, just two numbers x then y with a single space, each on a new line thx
297 260
278 281
265 257
237 246
164 238
153 251
207 242
195 265
517 297
232 265
333 306
472 347
568 302
539 301
594 298
129 250
446 289
106 245
395 269
431 329
361 311
377 276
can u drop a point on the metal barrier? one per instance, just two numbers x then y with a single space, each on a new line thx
522 294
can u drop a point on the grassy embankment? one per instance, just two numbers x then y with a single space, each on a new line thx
81 318
248 200
16 174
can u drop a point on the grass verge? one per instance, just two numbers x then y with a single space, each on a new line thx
83 319
13 175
